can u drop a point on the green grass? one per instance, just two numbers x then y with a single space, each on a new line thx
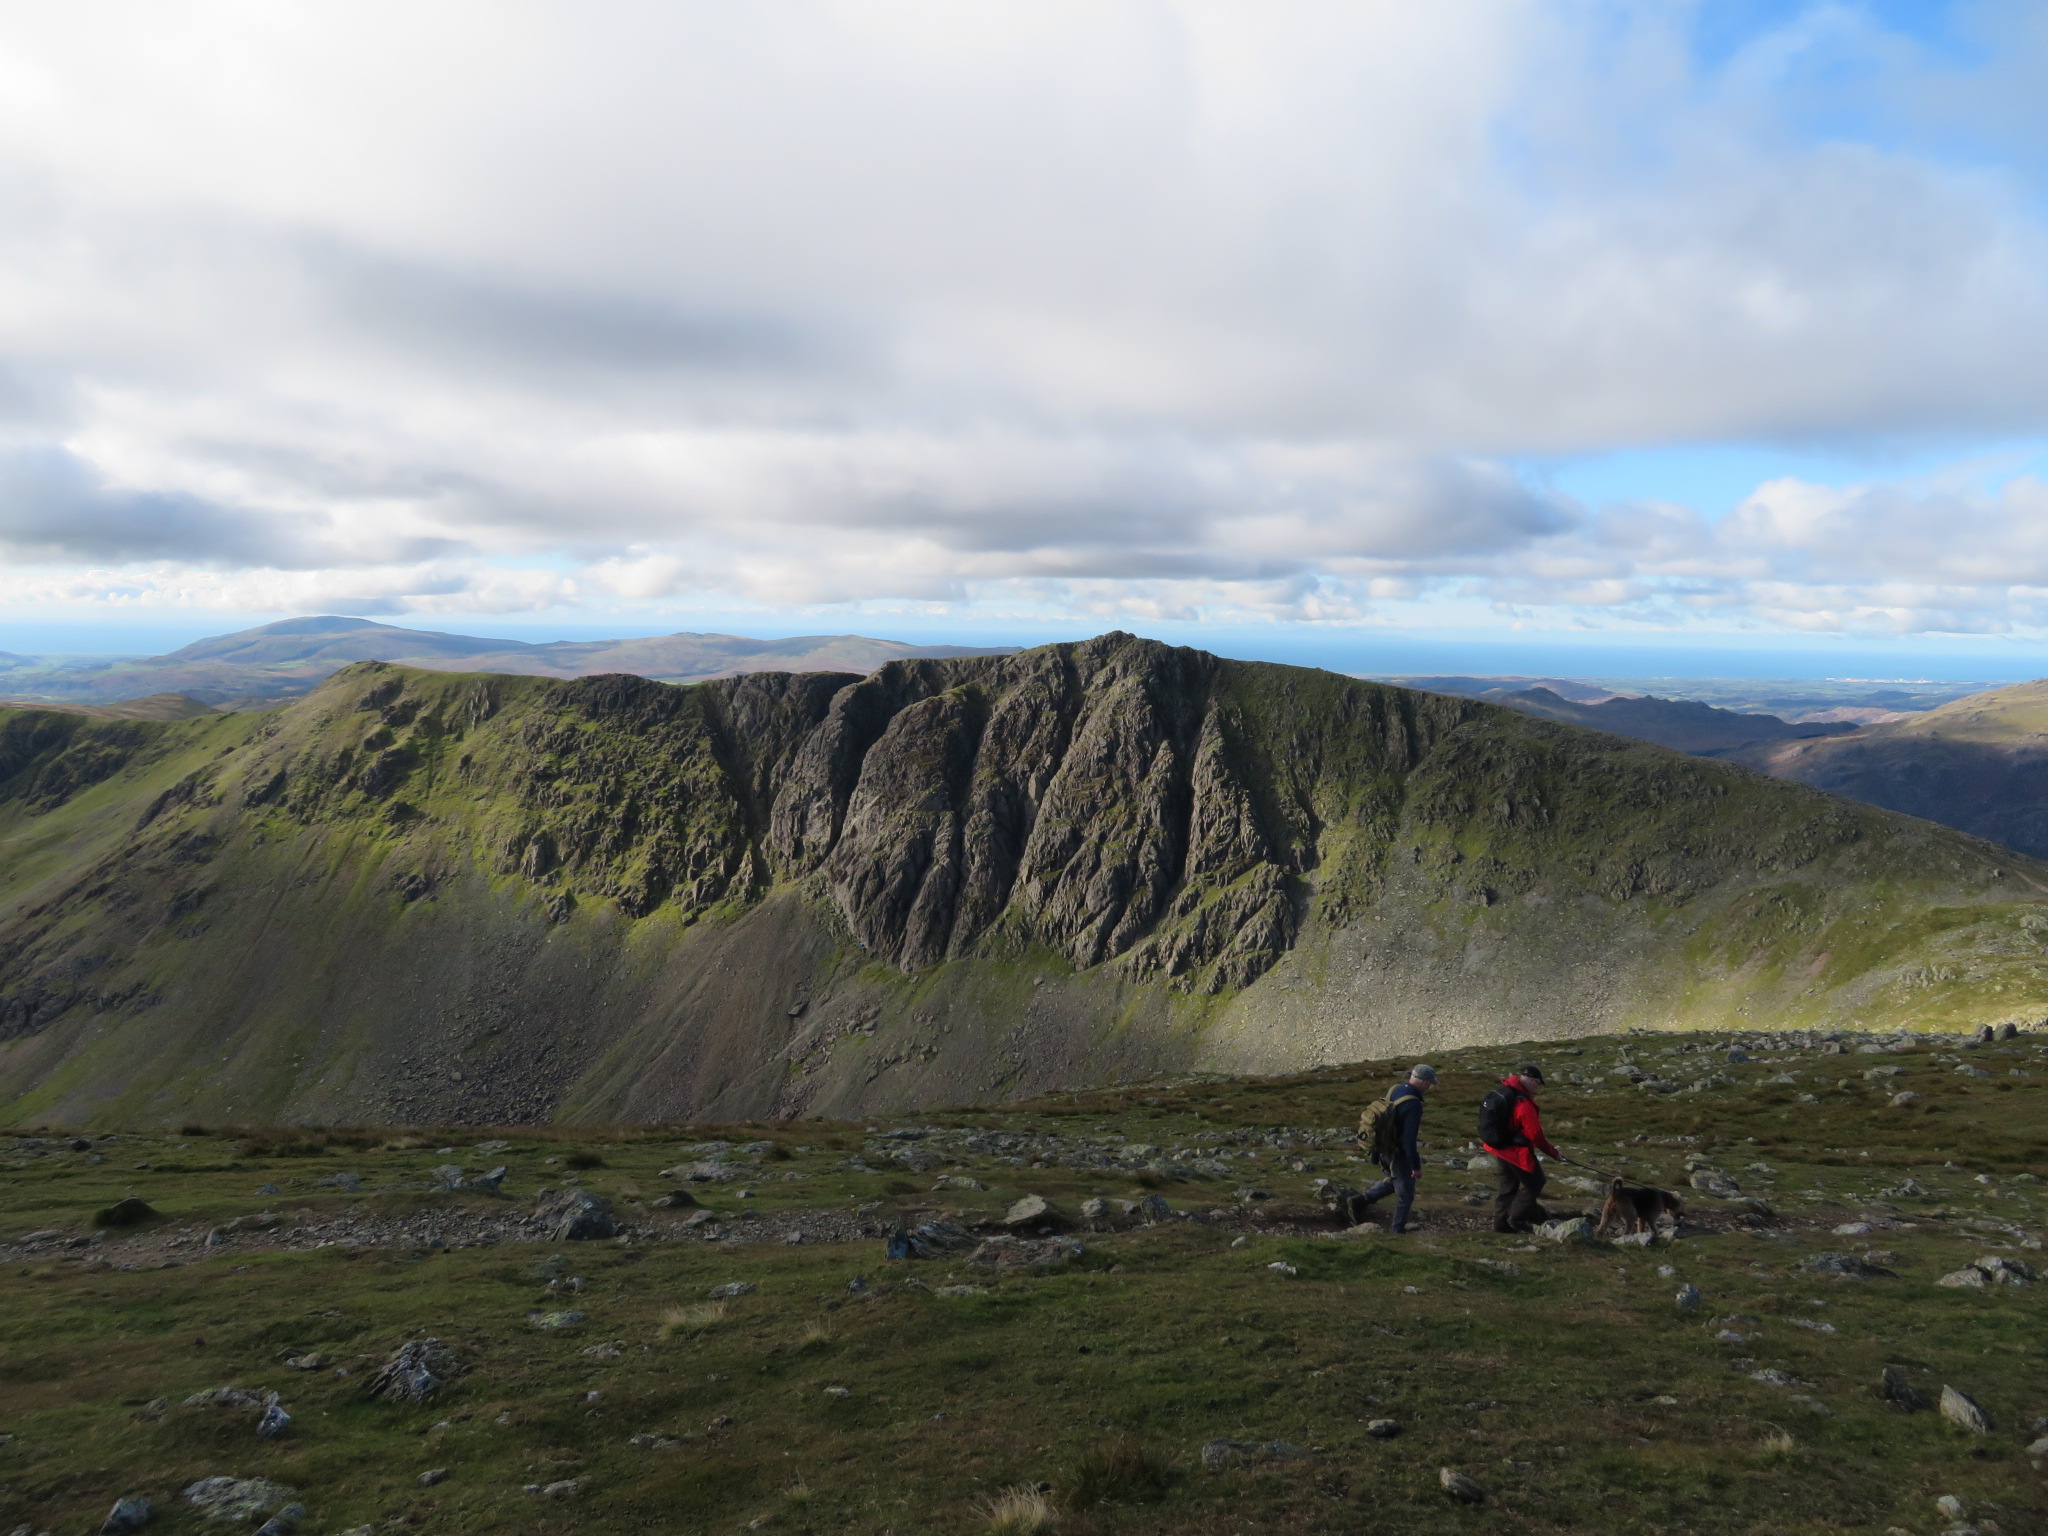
1539 1373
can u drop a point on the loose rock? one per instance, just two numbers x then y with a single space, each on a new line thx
1962 1410
577 1216
129 1514
1222 1455
416 1370
732 1290
131 1212
1383 1429
238 1498
1459 1486
1033 1211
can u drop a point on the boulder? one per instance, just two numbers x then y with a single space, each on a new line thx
1153 1208
417 1369
1962 1410
490 1183
1383 1429
1032 1213
130 1212
576 1216
1571 1229
284 1522
676 1200
238 1499
275 1421
1460 1487
1969 1277
129 1514
1712 1181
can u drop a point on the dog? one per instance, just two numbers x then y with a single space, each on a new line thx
1637 1209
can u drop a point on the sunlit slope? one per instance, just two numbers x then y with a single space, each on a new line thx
433 896
1979 763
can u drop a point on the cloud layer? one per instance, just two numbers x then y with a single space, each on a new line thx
1137 308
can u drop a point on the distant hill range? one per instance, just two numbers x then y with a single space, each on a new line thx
1683 725
1980 764
271 663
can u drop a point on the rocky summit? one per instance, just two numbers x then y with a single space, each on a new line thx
433 897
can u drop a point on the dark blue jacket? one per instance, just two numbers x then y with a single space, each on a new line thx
1407 1101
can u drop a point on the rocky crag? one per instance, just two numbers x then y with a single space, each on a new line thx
425 896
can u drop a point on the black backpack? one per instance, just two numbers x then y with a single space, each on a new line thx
1497 1119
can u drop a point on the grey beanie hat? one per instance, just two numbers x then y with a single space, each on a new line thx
1425 1073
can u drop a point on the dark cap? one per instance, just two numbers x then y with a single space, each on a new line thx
1531 1071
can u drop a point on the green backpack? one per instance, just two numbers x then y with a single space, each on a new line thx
1379 1134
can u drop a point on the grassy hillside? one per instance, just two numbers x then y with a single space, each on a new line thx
1980 764
424 896
845 1392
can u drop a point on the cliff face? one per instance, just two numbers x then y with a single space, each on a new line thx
432 896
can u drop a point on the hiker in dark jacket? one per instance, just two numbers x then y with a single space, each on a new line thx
1405 1166
1510 1112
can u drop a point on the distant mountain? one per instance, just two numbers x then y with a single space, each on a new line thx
274 662
1700 729
1494 689
1979 764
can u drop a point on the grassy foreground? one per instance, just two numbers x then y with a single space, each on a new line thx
1561 1378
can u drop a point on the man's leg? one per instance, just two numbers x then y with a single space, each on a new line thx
1507 1183
1523 1211
1404 1200
1537 1180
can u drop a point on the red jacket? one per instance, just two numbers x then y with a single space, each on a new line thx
1530 1126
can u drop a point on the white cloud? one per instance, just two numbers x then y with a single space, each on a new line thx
1111 308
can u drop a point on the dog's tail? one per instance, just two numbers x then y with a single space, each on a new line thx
1615 1187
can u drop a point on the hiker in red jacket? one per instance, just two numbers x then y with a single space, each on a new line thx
1511 1129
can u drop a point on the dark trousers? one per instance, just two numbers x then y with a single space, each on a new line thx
1401 1185
1515 1196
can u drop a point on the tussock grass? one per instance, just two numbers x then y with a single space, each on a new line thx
815 1336
701 1318
1018 1511
1119 1471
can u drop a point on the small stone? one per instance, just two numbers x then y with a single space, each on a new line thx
1459 1486
306 1362
1094 1208
1962 1410
448 1176
732 1290
840 1391
275 1422
555 1320
1951 1506
1576 1229
1221 1455
1689 1298
1967 1279
1383 1429
491 1183
1153 1208
433 1476
857 1286
129 1514
284 1522
1901 1100
1772 1377
567 1488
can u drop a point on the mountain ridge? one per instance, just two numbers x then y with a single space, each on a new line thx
432 896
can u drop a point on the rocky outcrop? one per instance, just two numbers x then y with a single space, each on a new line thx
427 896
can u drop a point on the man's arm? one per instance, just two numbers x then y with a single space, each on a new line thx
1530 1122
1410 1110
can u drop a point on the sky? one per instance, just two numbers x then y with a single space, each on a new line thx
1512 328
